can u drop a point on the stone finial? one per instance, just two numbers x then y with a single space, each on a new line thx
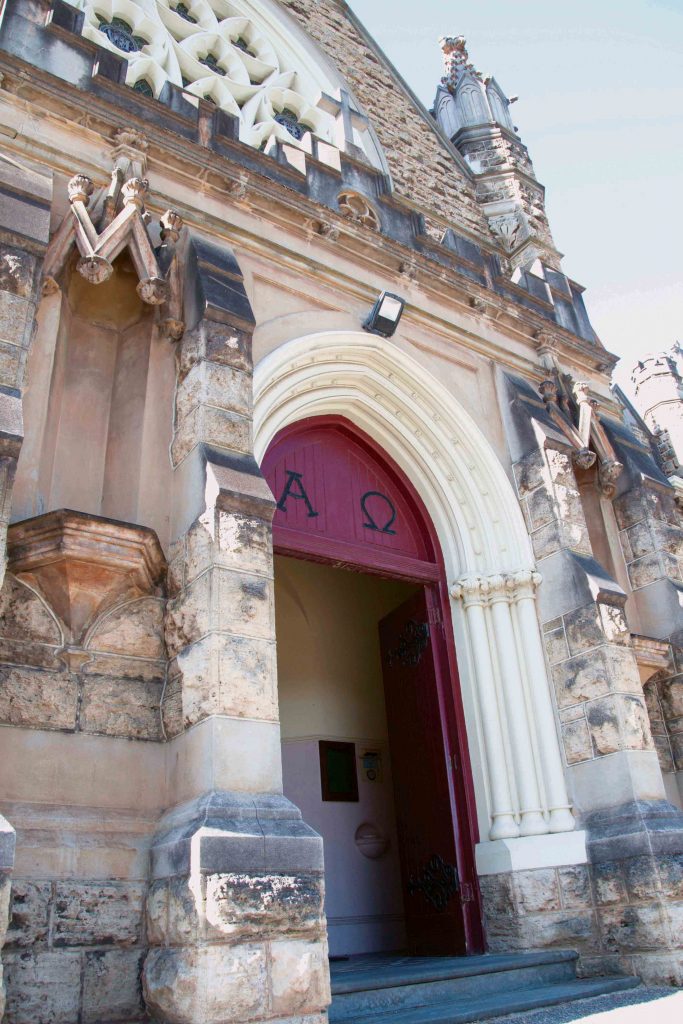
549 391
455 60
80 188
134 191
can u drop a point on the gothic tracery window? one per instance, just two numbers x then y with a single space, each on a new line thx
227 51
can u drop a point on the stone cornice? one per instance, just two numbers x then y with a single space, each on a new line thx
291 210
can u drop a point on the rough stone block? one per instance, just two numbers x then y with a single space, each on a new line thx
577 741
529 473
645 570
231 540
94 913
29 908
541 508
214 984
537 890
38 700
23 616
583 629
658 969
567 928
245 604
547 540
17 271
213 384
112 988
239 906
122 707
640 540
671 876
635 928
216 427
299 976
610 885
16 319
575 886
42 987
135 629
556 646
173 913
248 678
497 894
619 722
641 877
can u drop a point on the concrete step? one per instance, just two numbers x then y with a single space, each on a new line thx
365 985
484 1007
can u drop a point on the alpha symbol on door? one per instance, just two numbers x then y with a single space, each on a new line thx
379 512
294 488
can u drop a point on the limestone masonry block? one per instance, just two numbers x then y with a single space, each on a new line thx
17 271
212 984
121 707
135 629
299 976
29 914
38 700
91 913
242 906
43 987
112 989
577 741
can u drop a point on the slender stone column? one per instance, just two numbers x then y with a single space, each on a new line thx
561 818
473 592
532 822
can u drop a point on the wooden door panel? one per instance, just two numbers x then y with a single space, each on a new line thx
422 784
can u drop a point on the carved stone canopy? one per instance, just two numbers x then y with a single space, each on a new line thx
118 220
588 432
82 565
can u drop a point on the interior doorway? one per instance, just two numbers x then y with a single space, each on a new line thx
374 749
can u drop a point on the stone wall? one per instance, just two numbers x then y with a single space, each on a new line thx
424 171
74 952
621 914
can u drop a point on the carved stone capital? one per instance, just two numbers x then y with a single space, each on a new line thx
485 590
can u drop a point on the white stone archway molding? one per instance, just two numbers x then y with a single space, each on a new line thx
485 545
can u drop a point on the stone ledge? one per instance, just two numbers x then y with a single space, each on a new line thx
531 852
225 832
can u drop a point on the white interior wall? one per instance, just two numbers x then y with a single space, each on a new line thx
330 687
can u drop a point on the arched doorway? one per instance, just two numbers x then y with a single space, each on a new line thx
374 743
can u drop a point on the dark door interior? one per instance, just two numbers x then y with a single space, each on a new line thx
419 757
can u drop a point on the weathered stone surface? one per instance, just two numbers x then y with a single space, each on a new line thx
645 570
104 913
214 984
619 722
121 667
36 699
174 913
248 603
497 895
610 885
541 508
121 707
28 922
230 540
556 645
577 742
217 427
657 969
671 876
248 679
635 928
299 976
112 986
575 886
135 629
529 473
583 629
17 271
588 676
642 881
16 318
571 929
214 384
238 906
24 616
43 987
537 890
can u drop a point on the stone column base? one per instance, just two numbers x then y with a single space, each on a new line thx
235 915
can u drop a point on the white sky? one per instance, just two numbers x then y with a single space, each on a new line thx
600 88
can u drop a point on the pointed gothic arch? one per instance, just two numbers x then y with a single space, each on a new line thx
517 769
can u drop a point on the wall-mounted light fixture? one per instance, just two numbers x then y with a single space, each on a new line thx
385 315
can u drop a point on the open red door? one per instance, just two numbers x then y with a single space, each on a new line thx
420 768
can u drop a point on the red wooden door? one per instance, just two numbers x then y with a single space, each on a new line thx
422 780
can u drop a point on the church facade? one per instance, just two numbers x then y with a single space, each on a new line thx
342 597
